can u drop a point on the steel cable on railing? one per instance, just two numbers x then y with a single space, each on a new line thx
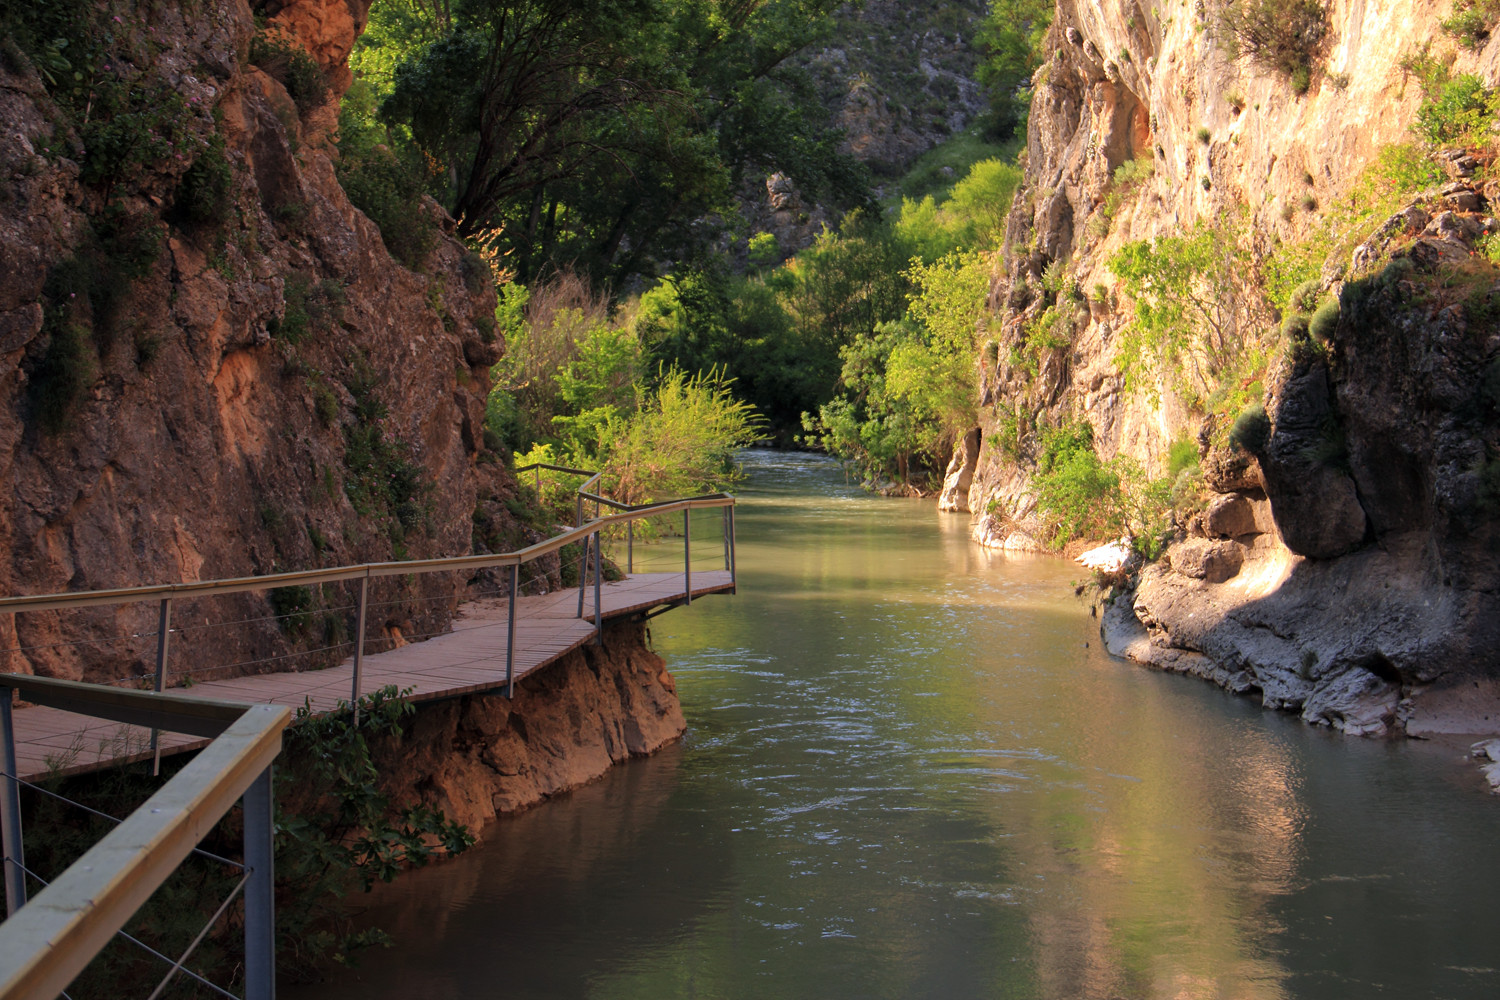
104 815
177 966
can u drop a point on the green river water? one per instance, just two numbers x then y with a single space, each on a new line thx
912 771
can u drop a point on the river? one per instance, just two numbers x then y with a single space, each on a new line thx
912 771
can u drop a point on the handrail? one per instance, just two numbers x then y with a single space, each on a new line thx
249 584
586 534
46 943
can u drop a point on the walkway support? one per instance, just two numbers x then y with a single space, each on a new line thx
10 812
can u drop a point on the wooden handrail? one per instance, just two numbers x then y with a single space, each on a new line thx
48 941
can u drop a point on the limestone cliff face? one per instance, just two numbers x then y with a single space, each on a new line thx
1353 587
207 440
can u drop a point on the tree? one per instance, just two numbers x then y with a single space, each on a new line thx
601 134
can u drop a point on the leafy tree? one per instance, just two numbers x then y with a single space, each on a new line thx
1185 327
1013 37
599 134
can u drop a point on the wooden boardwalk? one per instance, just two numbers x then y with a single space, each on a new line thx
468 659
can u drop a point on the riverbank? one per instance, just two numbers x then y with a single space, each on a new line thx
911 769
481 756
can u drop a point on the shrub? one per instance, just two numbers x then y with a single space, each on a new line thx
66 372
764 250
1204 135
1305 296
1284 35
205 194
1182 454
1251 430
1235 100
1076 493
385 186
290 65
1294 328
1324 322
1309 203
1460 113
1471 21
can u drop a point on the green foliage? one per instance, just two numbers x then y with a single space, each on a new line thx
973 216
1461 113
337 829
382 480
309 307
1282 35
1251 430
1126 181
206 192
285 60
602 134
680 440
83 297
1304 298
1012 38
1182 455
1384 187
542 331
1324 322
936 171
908 387
763 249
67 370
1082 497
1185 328
386 185
293 607
1472 21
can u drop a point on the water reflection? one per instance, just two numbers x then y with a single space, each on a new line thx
912 772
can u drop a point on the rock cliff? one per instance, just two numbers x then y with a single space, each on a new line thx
1344 567
214 367
482 756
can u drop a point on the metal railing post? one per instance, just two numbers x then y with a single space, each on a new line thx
510 634
687 553
10 812
724 511
732 577
630 546
163 633
359 643
598 605
578 515
260 892
583 574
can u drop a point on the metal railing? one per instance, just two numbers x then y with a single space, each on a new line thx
586 534
47 942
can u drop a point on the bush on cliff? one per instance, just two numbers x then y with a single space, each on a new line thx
1282 35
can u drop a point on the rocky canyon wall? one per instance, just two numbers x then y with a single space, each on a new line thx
1344 567
266 389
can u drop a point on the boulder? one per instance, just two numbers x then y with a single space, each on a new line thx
1207 560
1229 515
